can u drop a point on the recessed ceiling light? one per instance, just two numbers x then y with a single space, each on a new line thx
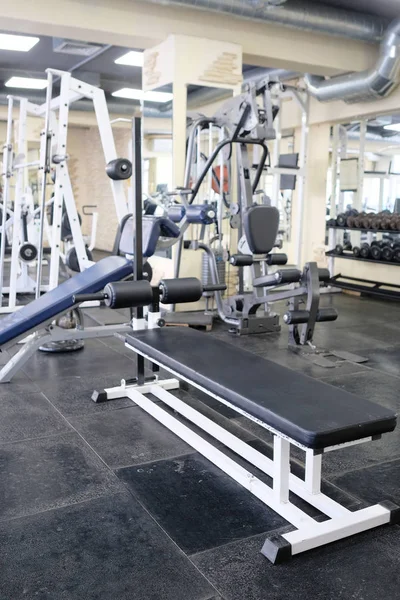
28 83
17 43
132 58
393 127
133 94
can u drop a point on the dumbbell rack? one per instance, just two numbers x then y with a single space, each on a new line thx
365 286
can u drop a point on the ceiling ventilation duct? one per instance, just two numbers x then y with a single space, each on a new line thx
300 14
374 83
73 47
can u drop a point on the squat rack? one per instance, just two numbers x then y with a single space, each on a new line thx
53 154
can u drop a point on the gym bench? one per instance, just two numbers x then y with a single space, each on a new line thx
297 410
36 319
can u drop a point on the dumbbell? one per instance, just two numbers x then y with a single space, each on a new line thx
361 252
339 249
376 249
358 220
395 223
367 221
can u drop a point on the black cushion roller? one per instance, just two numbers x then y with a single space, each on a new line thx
288 276
277 259
128 294
324 275
241 260
185 289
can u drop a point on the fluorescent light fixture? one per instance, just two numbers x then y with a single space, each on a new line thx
132 58
393 127
28 83
17 43
133 94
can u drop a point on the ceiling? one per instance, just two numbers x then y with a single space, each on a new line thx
100 71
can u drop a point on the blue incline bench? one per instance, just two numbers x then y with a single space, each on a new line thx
297 410
38 314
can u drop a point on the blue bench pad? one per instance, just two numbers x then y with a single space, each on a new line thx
54 302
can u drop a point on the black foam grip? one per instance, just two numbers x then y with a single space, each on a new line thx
119 168
326 314
277 259
185 289
128 294
241 260
295 317
288 276
324 275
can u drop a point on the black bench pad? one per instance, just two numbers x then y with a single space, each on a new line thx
310 412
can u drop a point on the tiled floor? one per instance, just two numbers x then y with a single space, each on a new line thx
102 502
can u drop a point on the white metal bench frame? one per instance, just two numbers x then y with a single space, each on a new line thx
309 533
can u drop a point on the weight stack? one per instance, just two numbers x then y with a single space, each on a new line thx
205 270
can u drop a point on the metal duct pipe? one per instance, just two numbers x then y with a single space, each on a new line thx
113 107
377 82
206 95
300 14
374 137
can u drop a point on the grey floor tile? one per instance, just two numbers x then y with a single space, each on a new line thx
197 504
373 484
366 566
128 436
107 548
45 473
25 416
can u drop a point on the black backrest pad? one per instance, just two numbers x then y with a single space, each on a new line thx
261 224
153 228
312 413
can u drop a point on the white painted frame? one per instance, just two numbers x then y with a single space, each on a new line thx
309 533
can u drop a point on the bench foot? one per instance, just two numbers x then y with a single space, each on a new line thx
394 511
122 391
277 549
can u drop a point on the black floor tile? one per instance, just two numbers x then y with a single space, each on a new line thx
366 567
94 358
128 437
372 385
373 484
386 361
108 548
197 504
19 386
72 395
25 416
45 473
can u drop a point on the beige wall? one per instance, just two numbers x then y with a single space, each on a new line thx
90 182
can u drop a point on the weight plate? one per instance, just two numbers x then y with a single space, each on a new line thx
28 252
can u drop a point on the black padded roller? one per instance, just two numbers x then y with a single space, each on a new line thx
119 168
295 317
324 275
277 259
128 294
326 314
288 276
175 291
241 260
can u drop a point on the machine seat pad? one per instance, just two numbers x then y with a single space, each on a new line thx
261 225
54 302
310 412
